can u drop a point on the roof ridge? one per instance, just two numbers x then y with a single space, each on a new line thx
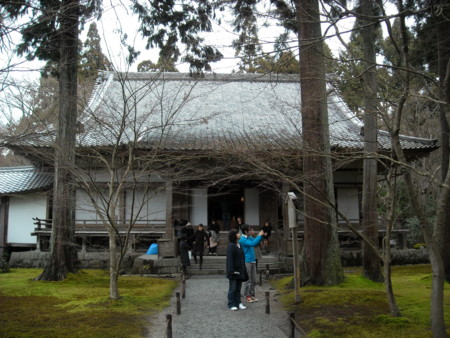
231 77
413 138
18 168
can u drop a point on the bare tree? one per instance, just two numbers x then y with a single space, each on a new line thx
124 168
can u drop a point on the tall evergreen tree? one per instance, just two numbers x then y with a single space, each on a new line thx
371 261
92 59
52 35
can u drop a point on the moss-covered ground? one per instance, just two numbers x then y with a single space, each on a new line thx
359 307
79 306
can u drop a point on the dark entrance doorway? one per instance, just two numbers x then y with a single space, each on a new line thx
225 204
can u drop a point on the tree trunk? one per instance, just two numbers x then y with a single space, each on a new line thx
395 311
321 261
432 234
113 267
444 79
371 261
63 250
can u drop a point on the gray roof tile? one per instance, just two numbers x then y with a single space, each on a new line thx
239 110
176 112
23 179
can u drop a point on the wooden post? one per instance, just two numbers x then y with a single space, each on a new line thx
267 271
292 320
267 302
293 226
183 288
169 326
178 303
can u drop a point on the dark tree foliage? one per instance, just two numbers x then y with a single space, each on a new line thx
160 66
431 50
41 35
92 59
166 24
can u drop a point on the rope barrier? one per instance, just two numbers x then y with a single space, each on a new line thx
294 325
177 310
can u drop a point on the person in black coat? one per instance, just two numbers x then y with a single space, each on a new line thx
184 255
200 239
236 271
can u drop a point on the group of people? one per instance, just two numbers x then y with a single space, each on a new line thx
241 265
194 242
241 259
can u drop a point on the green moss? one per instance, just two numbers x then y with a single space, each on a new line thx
78 306
389 320
358 307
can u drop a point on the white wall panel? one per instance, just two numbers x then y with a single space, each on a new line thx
199 207
22 209
251 206
347 201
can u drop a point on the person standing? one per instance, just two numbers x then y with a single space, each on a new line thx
236 271
200 238
239 223
184 255
248 244
267 228
213 237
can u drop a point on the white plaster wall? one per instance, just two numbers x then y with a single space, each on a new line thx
153 205
22 209
84 208
199 206
149 207
347 200
251 212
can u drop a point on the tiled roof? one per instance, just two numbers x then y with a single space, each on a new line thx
177 112
174 111
23 179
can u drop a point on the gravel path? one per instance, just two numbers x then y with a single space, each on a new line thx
204 313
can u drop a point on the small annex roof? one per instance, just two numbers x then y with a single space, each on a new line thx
175 111
14 180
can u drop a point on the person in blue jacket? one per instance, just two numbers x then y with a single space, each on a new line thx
236 272
248 243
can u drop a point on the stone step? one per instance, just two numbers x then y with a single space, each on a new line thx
217 265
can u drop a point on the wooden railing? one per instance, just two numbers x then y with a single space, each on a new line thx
95 225
42 223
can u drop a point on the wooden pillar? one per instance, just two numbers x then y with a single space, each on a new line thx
286 231
83 243
169 217
4 207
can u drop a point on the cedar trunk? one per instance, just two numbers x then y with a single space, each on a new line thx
321 254
371 261
444 83
63 251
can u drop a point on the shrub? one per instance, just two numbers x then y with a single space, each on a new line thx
4 265
419 246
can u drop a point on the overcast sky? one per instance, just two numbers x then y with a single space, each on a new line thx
117 16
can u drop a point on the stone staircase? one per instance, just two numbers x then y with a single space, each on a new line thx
216 265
